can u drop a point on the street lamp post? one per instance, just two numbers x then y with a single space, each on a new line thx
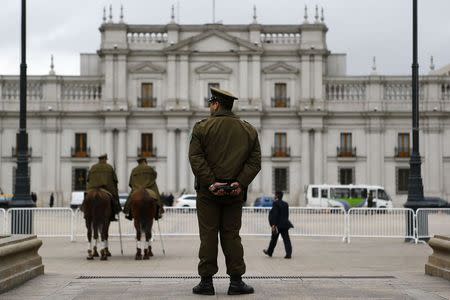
22 198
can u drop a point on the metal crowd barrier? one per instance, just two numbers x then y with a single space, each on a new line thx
381 223
431 221
2 221
44 222
311 222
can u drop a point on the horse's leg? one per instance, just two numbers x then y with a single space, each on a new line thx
89 237
107 238
95 248
148 235
137 226
103 254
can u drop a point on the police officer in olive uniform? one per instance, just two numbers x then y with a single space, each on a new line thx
225 157
102 175
143 176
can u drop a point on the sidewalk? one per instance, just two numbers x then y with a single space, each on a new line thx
321 269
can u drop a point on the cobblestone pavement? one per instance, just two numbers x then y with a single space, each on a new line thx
320 269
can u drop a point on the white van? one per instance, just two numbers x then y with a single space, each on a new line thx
346 196
76 199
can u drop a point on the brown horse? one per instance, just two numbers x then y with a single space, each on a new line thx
143 210
97 212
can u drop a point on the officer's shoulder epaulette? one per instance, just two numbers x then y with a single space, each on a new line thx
200 122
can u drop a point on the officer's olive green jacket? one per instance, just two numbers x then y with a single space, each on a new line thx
223 147
144 176
102 175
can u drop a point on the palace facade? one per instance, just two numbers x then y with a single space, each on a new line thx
147 85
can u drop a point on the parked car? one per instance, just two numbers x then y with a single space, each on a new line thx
186 200
263 201
123 198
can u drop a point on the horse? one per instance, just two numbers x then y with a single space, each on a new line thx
97 212
143 210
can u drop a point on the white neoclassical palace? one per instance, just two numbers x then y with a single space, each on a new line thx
147 85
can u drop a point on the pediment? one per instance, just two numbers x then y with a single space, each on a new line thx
146 67
213 41
280 68
213 68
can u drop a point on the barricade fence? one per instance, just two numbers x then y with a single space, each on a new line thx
307 221
432 221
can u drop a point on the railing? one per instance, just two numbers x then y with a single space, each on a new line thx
400 91
147 37
445 91
402 152
146 102
76 152
431 221
14 151
400 223
11 90
146 152
346 151
280 38
44 222
81 90
281 151
2 221
381 223
345 90
280 102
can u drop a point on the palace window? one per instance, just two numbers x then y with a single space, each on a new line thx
81 149
280 179
147 148
147 99
79 179
280 98
402 180
403 147
280 148
346 175
346 149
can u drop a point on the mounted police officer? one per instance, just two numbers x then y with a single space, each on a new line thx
143 176
225 157
102 175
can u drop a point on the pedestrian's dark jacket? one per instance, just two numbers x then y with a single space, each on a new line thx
224 148
279 215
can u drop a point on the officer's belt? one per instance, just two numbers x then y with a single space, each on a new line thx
226 180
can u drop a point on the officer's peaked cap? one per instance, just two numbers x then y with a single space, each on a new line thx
222 95
103 156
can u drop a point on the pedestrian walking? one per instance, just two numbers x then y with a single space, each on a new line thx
280 224
225 157
52 200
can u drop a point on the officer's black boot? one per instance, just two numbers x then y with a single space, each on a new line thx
205 287
238 287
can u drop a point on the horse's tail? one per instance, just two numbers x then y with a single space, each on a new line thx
98 209
147 203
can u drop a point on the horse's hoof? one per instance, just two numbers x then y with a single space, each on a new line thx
90 257
104 258
146 254
107 252
138 257
150 251
95 252
104 255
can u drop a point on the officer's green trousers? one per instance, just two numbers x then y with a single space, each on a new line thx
217 217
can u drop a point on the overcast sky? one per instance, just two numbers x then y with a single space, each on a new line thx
360 28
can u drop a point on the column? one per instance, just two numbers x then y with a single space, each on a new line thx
108 149
318 78
183 159
256 77
121 168
108 92
305 80
243 77
121 81
171 77
318 157
305 157
184 78
171 161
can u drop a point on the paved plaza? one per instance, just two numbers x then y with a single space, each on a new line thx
321 268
